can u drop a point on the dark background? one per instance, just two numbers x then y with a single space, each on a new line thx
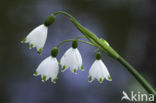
128 25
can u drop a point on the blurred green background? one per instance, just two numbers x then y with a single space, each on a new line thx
128 25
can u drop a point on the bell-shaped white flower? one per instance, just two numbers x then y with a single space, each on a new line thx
72 59
37 37
99 71
48 68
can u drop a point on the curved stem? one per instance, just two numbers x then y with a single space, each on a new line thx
62 12
110 51
91 36
70 40
82 41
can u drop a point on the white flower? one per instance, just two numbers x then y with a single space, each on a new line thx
72 59
48 68
99 71
37 37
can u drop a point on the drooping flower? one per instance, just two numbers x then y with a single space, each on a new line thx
49 67
98 70
37 37
72 59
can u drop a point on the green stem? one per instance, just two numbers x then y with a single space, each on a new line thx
91 36
70 40
137 75
110 51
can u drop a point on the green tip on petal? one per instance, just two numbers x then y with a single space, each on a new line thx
31 46
44 78
100 80
82 68
75 71
90 79
109 78
23 41
54 80
40 51
36 73
63 68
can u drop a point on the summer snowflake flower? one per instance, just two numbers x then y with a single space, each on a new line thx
98 70
48 68
72 59
37 37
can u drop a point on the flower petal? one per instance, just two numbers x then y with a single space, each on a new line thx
37 37
99 71
48 68
71 59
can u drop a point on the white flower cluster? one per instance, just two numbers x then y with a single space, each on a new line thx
49 67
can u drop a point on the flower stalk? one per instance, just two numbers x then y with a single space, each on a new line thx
71 40
106 48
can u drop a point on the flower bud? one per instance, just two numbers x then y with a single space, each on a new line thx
75 44
50 19
54 52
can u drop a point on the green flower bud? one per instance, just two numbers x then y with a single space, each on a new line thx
54 52
75 44
98 56
50 19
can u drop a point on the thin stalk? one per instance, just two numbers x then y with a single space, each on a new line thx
71 40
